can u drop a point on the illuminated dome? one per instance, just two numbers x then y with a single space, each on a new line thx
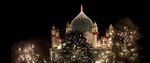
81 23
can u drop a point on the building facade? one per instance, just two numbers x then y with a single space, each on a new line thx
85 25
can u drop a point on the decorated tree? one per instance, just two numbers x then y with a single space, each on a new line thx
104 56
75 49
125 42
30 51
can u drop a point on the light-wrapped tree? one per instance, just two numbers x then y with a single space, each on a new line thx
75 49
125 41
29 51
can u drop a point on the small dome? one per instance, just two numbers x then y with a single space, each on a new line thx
81 23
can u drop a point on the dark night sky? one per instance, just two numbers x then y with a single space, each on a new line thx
33 19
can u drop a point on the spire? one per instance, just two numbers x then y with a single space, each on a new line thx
110 27
81 8
95 24
53 26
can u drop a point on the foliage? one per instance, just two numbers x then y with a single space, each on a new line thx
125 41
75 49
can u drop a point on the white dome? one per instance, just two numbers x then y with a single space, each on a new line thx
81 23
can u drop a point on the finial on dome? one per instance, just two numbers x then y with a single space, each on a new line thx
81 8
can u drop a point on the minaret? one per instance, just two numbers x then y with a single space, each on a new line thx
58 40
95 28
68 27
110 33
111 30
57 33
53 38
53 31
95 34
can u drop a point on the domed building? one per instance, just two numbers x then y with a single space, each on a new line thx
81 23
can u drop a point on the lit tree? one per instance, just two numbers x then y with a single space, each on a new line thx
29 51
75 49
125 42
104 56
26 53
